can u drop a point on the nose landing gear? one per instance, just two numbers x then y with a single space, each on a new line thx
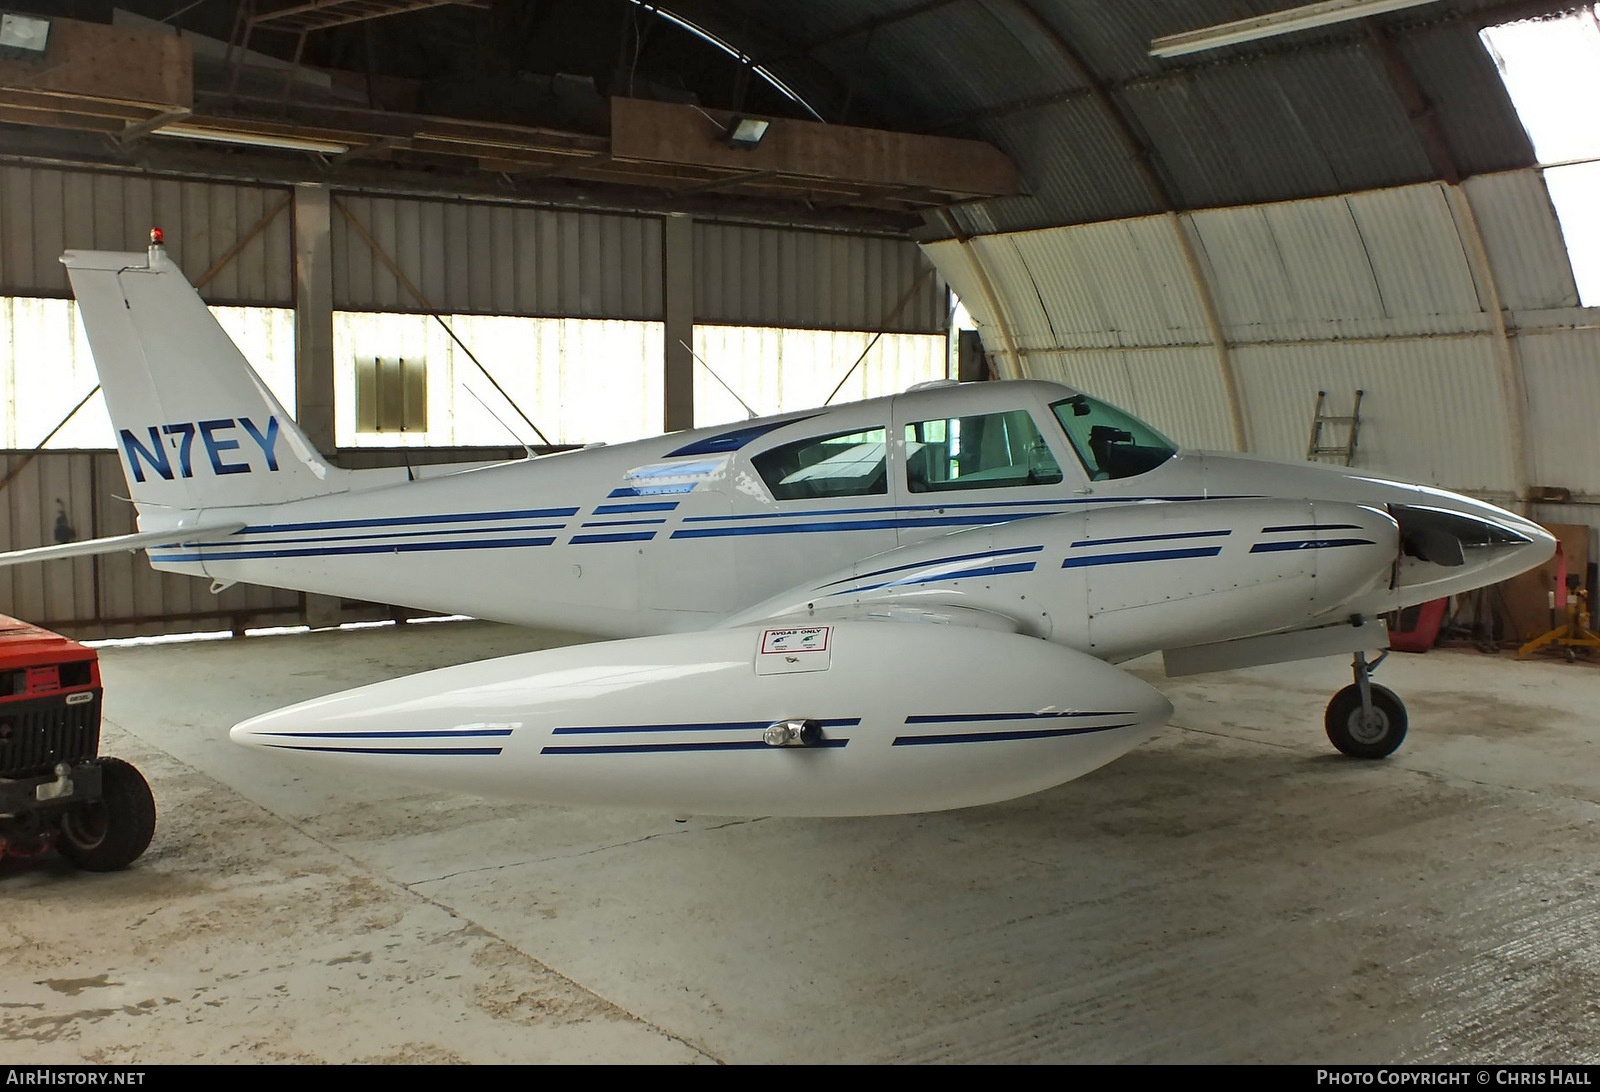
1365 720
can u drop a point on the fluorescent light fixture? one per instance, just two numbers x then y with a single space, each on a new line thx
255 140
1275 23
747 132
23 36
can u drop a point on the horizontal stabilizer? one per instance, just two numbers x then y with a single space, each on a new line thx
137 541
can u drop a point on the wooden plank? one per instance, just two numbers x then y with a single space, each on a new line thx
664 132
105 62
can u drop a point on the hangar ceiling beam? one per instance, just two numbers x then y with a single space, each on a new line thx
665 149
323 14
1002 317
313 314
677 298
1419 110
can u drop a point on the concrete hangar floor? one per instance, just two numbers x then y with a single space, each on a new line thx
1231 892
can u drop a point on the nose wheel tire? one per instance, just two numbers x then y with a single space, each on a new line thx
109 834
1361 733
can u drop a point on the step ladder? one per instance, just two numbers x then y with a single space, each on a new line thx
1322 445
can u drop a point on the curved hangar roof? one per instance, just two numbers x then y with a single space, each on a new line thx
1103 130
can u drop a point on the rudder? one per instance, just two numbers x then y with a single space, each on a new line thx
195 425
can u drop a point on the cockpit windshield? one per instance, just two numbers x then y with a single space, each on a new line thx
1111 443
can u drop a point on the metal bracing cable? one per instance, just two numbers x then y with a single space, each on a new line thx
882 328
753 414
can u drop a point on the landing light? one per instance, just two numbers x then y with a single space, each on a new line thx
793 733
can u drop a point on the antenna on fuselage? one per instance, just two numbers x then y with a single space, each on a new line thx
753 414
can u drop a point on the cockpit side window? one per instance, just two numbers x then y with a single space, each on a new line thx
844 464
984 451
1110 443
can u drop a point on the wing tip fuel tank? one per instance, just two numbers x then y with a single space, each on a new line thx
912 717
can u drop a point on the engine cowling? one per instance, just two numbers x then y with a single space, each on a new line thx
856 718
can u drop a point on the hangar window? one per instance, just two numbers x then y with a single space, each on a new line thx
845 464
1551 69
579 380
46 369
773 369
984 451
1109 442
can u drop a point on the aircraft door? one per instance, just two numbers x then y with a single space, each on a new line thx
811 505
698 574
965 469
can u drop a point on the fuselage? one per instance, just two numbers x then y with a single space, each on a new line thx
685 531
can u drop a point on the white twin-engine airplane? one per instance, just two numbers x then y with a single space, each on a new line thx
905 604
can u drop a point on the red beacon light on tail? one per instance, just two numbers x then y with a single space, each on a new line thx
157 237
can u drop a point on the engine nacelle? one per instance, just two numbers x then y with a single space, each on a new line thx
856 718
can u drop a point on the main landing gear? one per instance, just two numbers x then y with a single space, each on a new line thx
1365 720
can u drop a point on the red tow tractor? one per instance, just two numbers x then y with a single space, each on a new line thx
56 790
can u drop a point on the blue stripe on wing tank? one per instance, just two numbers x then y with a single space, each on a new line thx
644 743
1031 726
349 747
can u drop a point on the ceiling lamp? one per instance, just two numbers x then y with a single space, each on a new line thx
1275 23
747 132
23 37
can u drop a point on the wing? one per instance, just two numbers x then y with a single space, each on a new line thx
110 545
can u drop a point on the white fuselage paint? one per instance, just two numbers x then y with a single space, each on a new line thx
937 623
594 540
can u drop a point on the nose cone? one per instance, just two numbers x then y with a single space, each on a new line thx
401 727
1453 543
1450 543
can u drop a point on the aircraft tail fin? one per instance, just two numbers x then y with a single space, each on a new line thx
195 425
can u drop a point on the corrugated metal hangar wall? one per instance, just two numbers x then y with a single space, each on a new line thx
1453 308
238 243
